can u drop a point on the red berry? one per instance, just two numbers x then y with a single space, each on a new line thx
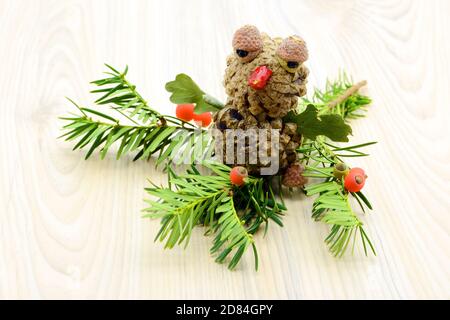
355 180
204 119
185 112
238 175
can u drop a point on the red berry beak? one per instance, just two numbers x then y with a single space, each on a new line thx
259 77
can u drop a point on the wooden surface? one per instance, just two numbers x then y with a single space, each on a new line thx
72 229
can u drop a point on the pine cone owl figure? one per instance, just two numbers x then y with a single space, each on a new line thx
263 80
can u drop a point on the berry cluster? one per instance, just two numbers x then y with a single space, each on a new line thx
186 113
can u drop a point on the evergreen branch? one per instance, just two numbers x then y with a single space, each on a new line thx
181 210
231 234
168 142
117 90
259 204
347 94
169 137
193 199
322 151
332 205
255 200
210 200
339 97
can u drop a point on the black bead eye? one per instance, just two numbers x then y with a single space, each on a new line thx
222 125
236 115
292 64
241 53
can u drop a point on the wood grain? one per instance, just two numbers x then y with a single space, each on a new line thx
72 229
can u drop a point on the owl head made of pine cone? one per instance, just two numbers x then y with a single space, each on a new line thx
264 74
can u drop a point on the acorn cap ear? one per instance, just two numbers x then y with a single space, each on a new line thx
248 38
293 49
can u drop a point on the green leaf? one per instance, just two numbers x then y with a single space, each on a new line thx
311 125
185 90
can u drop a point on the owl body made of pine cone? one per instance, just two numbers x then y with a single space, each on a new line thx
260 98
289 139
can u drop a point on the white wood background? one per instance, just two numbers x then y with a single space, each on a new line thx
72 229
